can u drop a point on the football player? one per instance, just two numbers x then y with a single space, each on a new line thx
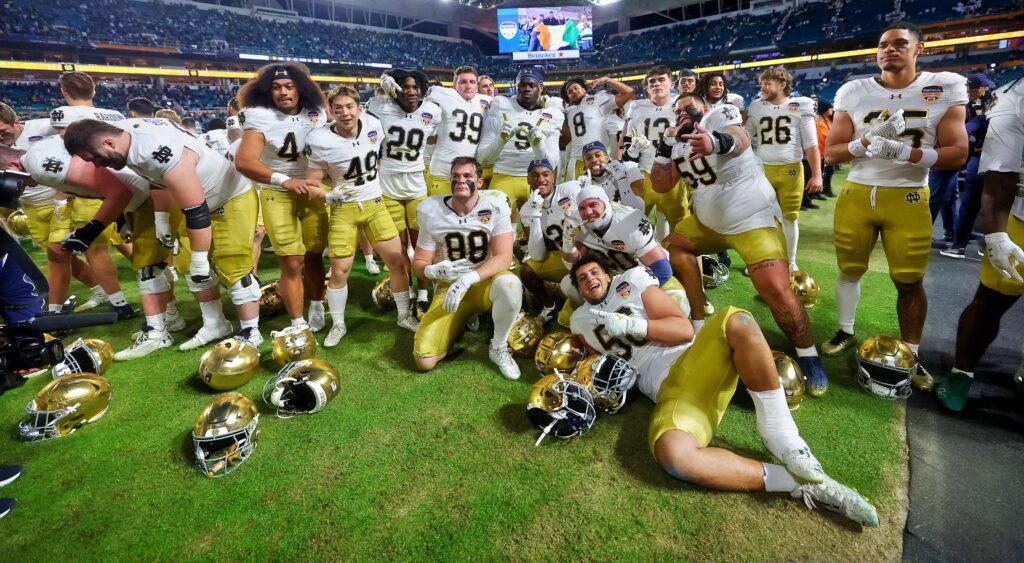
714 90
734 206
692 381
585 116
622 181
1002 210
407 122
462 122
470 232
886 127
518 130
686 81
349 151
783 133
233 126
485 85
280 106
218 208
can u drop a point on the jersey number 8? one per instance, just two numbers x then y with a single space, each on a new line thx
472 247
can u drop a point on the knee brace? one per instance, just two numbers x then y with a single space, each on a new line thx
197 217
152 279
195 286
245 290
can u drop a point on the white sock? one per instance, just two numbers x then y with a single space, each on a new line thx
847 297
172 308
808 352
156 322
213 313
299 321
967 373
778 480
775 422
54 308
421 295
791 231
98 292
402 303
250 323
368 258
507 300
336 298
914 347
316 306
117 298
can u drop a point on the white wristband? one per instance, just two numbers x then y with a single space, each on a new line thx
278 179
928 158
662 160
856 148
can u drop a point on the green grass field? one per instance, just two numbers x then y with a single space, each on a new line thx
404 465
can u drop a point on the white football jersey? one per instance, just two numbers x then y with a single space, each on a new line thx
731 98
218 141
284 137
612 130
555 207
453 236
355 162
617 182
629 237
651 121
157 146
730 194
625 296
63 116
405 134
1004 141
780 133
35 130
462 123
923 102
515 157
586 121
48 162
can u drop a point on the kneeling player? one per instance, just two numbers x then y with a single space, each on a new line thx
629 316
473 231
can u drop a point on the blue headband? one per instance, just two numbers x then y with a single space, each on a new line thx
282 72
540 163
595 146
529 73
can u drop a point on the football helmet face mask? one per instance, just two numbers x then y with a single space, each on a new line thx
302 387
608 378
270 299
525 336
792 379
557 350
885 365
382 296
293 343
225 434
805 287
65 405
560 407
229 365
18 223
715 273
85 355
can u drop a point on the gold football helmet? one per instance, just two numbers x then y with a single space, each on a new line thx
293 343
885 365
85 355
560 407
225 434
302 387
791 377
229 365
805 287
558 350
525 335
608 378
382 296
270 299
65 405
18 223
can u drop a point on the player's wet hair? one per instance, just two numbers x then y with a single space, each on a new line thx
465 69
693 95
257 91
911 28
233 103
168 114
778 74
7 114
215 124
564 91
705 81
78 85
483 77
342 90
400 74
658 70
465 160
80 135
142 107
588 259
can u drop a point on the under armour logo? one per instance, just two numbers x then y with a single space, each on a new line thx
895 96
913 197
163 155
52 165
56 115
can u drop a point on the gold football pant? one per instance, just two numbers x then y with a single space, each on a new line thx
990 277
403 212
346 219
439 328
295 224
233 227
755 245
788 182
43 225
515 187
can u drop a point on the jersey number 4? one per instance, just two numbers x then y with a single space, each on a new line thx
361 171
289 148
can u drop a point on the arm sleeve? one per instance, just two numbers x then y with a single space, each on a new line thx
808 131
490 140
957 89
503 217
538 250
550 146
606 102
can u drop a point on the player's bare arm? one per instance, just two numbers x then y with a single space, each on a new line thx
248 162
666 323
116 196
186 191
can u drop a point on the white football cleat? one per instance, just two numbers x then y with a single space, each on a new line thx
205 336
803 465
507 365
371 266
409 322
250 336
147 342
317 322
838 498
338 331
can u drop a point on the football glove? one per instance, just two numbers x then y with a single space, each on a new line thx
339 194
638 145
81 239
619 325
585 180
570 229
1004 255
58 208
446 270
532 210
162 220
507 129
389 85
534 134
890 129
887 149
457 291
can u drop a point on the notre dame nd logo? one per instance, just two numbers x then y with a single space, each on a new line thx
56 115
52 165
163 154
913 197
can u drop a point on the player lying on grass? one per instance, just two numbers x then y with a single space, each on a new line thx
692 381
